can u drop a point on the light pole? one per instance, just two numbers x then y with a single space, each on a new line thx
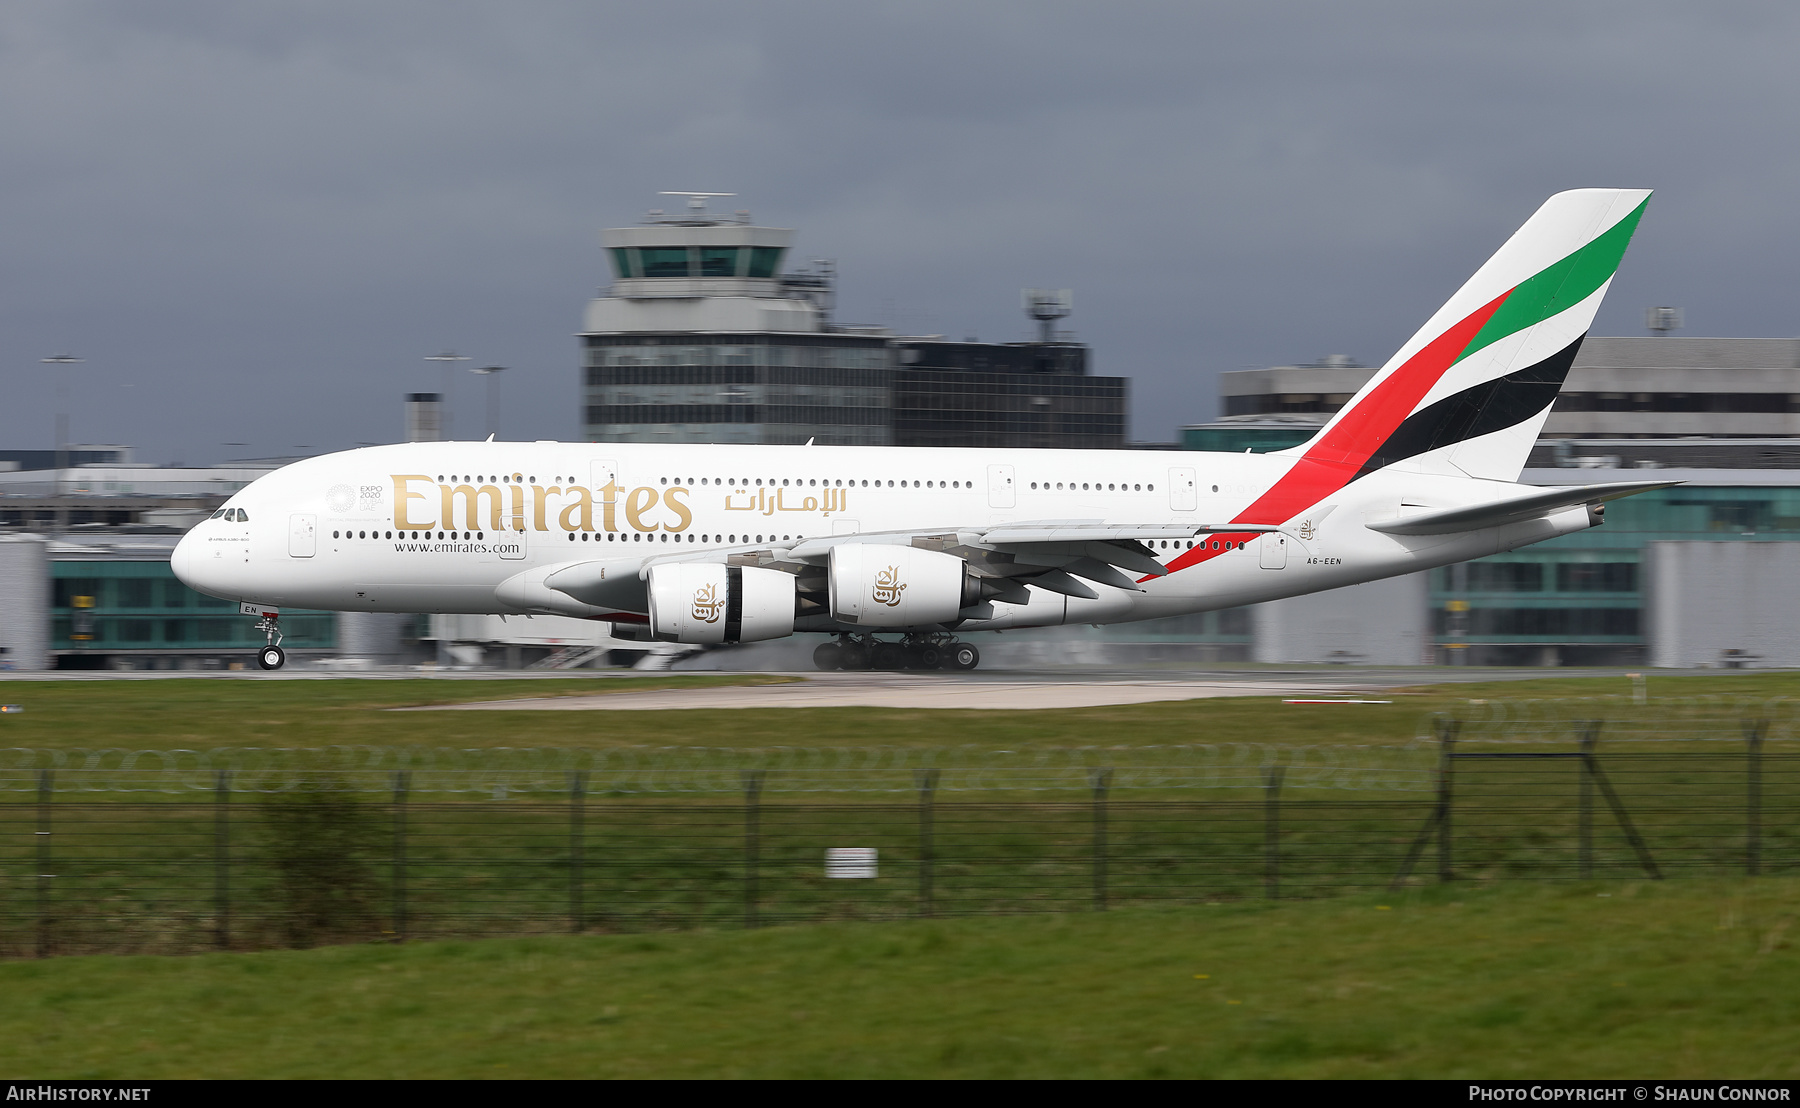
447 360
62 425
492 372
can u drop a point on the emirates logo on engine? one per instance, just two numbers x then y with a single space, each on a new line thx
707 604
888 587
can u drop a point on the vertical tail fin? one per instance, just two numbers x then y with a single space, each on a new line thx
1469 393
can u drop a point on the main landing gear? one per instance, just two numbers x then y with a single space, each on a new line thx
938 650
271 656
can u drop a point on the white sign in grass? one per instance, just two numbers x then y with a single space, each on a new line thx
850 861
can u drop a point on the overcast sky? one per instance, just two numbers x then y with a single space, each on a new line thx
254 220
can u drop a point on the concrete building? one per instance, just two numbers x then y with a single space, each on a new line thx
1655 399
1721 603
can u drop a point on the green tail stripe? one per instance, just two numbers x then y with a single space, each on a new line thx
1560 286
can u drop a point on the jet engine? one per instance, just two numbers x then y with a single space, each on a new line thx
705 602
874 585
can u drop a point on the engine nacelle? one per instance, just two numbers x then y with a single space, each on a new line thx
705 602
874 585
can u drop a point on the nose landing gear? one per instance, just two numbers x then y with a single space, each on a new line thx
270 656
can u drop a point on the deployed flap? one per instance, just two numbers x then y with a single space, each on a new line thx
1513 509
1058 581
1049 554
1095 570
1126 554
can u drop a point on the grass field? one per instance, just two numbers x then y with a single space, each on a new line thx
1634 980
205 713
1486 977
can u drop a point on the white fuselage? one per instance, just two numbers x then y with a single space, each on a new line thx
442 527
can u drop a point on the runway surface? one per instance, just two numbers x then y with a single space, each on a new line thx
997 692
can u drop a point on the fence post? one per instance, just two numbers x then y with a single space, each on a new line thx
401 782
222 861
1584 811
1102 779
1618 810
1753 739
927 780
44 875
1272 830
577 804
752 796
1447 731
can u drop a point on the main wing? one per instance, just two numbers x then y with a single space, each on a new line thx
1066 556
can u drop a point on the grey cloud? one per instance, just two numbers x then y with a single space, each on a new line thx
262 217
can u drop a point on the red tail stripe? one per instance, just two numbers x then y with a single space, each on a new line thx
1340 453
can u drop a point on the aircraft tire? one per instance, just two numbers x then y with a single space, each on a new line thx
964 656
828 656
888 655
853 656
928 657
271 657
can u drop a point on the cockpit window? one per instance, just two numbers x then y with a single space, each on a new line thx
217 514
243 516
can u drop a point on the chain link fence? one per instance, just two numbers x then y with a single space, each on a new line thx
112 850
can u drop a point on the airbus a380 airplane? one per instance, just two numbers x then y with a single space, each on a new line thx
720 544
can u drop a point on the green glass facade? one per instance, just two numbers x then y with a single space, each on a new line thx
121 606
1236 440
1580 599
759 262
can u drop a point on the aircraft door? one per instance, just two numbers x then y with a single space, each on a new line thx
1184 489
303 535
1002 489
601 471
510 543
1272 551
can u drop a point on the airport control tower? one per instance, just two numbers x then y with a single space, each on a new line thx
695 271
702 337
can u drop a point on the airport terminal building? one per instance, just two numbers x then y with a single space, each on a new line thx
1698 574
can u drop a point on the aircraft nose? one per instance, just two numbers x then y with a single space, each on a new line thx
179 559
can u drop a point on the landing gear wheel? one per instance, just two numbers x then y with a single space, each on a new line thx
964 656
271 657
853 655
828 655
888 655
928 657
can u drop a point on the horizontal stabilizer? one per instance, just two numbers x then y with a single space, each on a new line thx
1513 509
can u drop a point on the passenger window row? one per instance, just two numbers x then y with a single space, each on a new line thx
810 483
586 536
1096 487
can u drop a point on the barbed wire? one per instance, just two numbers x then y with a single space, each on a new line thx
1623 719
500 772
